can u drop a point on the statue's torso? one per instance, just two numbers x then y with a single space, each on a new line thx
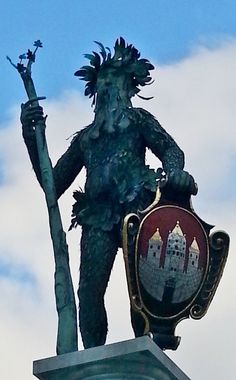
111 158
117 177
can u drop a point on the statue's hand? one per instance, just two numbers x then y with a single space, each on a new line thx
31 113
181 181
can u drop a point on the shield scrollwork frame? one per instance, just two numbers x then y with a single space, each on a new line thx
162 329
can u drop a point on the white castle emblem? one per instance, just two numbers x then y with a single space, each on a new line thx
174 275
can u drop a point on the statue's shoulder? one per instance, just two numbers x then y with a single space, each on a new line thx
81 135
143 116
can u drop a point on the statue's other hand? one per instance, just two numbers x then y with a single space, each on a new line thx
31 112
181 181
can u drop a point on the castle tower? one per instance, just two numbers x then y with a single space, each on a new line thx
194 253
155 246
175 250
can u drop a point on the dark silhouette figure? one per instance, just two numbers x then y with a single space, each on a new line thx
112 149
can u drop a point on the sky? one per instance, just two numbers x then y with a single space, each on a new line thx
193 47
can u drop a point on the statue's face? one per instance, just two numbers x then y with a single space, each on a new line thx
111 84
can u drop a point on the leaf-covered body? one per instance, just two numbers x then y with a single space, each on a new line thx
112 149
118 181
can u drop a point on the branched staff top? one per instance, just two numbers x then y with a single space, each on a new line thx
30 56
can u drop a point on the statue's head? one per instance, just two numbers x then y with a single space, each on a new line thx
119 75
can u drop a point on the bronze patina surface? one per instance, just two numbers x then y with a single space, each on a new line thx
112 149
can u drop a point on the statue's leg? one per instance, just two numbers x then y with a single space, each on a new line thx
98 250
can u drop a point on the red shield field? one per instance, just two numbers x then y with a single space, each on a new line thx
171 260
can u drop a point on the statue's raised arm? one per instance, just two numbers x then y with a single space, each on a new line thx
67 167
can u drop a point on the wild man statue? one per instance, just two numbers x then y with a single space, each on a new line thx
118 182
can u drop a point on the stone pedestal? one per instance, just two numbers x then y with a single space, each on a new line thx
136 359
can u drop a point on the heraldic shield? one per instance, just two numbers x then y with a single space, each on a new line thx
173 267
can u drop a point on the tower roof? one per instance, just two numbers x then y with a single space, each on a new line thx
156 235
195 245
177 230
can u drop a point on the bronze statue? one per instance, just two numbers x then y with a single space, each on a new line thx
118 182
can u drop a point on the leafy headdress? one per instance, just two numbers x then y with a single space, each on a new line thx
126 58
